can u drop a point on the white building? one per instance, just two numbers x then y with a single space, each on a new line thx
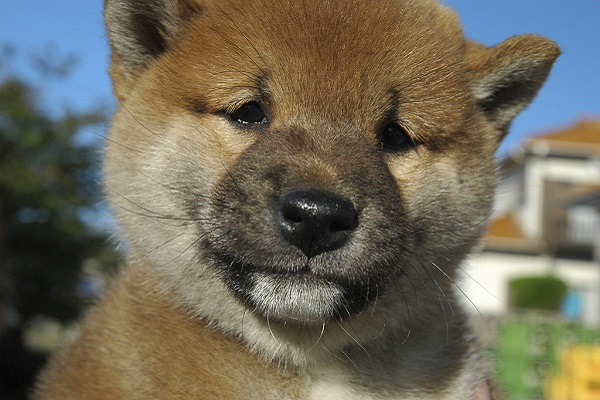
547 221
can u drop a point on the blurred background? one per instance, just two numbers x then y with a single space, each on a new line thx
533 288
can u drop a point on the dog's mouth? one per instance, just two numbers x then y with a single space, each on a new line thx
302 296
304 256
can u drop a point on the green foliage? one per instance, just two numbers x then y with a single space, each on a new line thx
537 292
47 181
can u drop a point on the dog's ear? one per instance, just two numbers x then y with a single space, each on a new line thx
504 79
140 31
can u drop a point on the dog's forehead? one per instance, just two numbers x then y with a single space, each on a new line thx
309 35
343 55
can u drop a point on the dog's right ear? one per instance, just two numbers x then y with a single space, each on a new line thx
505 78
140 31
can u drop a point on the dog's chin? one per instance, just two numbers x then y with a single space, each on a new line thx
296 298
294 292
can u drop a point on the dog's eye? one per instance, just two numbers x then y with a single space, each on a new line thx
394 138
249 114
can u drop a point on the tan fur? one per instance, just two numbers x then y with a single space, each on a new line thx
222 299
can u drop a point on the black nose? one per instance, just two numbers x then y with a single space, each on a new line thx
316 221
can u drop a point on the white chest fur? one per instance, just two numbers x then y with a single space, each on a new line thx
338 381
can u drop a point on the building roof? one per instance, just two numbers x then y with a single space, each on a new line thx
579 139
505 234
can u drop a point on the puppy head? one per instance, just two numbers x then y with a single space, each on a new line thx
298 163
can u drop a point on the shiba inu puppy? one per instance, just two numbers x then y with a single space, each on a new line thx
297 182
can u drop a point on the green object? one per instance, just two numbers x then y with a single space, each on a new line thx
528 349
537 292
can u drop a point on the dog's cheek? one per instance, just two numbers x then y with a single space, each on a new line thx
432 188
166 185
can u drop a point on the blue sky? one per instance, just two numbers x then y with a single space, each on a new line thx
75 26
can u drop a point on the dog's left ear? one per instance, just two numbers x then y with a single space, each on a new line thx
140 31
504 79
